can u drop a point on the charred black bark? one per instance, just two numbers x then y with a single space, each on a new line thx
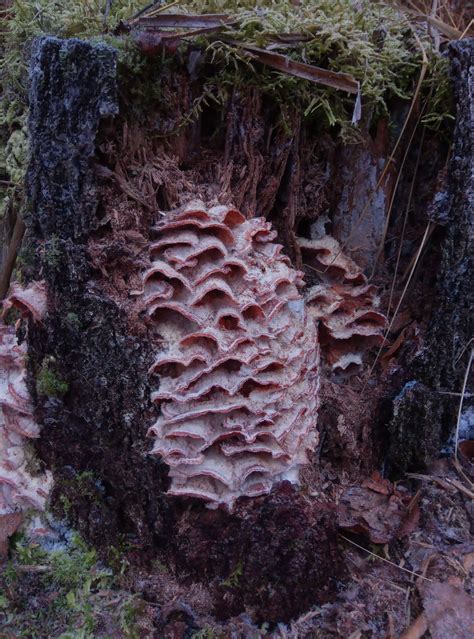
424 414
93 434
73 85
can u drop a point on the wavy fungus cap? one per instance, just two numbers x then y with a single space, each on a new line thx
239 364
19 489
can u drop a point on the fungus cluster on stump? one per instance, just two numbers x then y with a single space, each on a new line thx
238 363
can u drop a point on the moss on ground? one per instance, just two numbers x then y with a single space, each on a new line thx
64 592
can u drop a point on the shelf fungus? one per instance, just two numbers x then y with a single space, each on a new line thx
344 304
20 488
237 373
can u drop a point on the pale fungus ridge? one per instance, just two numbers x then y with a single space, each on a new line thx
20 488
238 364
344 304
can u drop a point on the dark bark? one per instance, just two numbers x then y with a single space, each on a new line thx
73 85
93 437
424 414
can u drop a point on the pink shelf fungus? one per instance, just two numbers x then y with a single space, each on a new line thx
20 489
29 300
238 364
344 304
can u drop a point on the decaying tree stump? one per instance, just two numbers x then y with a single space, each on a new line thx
95 339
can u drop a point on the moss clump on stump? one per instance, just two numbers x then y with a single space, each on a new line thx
48 383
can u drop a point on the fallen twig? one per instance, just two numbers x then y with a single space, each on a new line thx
341 81
175 20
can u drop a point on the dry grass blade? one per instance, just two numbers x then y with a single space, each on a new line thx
143 11
392 563
394 193
162 7
175 20
463 391
409 268
402 297
457 484
467 29
279 62
405 220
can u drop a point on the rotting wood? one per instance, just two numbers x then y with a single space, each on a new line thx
13 248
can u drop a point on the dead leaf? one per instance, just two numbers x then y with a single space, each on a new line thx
396 344
417 628
448 611
466 448
377 510
468 561
378 484
9 523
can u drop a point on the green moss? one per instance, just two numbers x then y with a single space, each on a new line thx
371 40
67 593
67 579
48 383
73 321
233 580
205 633
130 612
16 155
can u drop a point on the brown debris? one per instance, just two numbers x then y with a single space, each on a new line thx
9 523
378 510
448 610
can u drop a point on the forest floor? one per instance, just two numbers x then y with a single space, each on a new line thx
407 549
